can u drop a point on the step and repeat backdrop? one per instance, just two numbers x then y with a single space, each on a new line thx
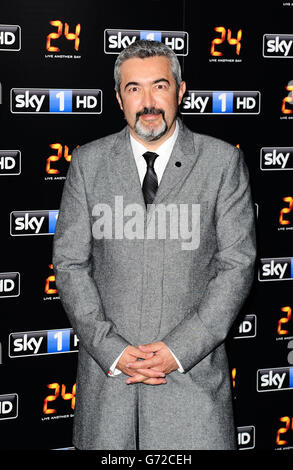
57 93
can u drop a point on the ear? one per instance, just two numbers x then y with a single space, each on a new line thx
118 97
182 90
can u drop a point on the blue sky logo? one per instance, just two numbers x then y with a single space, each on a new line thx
151 35
60 101
53 216
58 341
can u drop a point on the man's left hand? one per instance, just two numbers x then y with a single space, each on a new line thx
163 360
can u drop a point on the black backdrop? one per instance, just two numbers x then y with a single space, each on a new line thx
38 349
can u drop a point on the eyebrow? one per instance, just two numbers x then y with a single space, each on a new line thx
154 82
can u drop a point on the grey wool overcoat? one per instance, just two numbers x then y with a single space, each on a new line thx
122 283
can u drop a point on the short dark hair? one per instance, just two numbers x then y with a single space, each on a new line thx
142 49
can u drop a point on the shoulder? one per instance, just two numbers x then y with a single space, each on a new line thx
96 150
214 146
212 151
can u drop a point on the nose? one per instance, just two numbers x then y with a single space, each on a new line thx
148 99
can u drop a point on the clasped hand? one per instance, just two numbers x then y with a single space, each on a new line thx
149 363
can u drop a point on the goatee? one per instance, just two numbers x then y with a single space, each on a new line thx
150 134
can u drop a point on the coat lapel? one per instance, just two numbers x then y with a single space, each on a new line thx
124 167
183 153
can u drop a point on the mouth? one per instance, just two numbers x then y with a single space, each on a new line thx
149 115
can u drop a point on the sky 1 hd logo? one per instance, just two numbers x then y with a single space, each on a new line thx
55 101
278 45
10 37
247 328
246 437
276 269
276 158
271 380
220 102
115 40
33 222
37 343
9 284
9 406
10 162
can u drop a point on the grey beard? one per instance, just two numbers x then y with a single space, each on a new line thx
150 135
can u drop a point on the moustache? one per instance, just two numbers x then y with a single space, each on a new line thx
149 111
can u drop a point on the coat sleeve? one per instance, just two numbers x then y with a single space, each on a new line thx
72 267
206 327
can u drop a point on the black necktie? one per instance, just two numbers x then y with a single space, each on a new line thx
150 182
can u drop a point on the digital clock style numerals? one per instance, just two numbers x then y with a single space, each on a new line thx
60 31
67 396
55 158
284 320
49 289
226 35
233 373
286 210
62 152
284 433
288 100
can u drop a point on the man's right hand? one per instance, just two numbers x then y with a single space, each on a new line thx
148 376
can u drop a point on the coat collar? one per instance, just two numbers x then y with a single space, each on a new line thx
123 164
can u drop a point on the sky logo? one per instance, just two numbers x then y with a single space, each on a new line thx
33 222
276 158
46 101
221 102
115 40
269 380
36 343
276 269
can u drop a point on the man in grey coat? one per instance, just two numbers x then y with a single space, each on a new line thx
154 256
